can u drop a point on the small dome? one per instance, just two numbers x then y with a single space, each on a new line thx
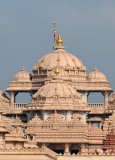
22 76
57 87
96 75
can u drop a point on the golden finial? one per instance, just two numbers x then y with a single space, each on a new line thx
54 22
59 40
57 71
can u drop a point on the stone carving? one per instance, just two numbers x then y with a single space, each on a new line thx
112 100
59 116
4 101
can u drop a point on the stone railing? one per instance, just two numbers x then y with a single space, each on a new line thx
96 105
20 84
90 105
90 84
20 105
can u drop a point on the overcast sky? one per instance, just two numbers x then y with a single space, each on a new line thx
26 34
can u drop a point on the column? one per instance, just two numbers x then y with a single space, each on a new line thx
29 115
31 94
34 138
106 99
45 115
82 148
66 152
43 145
12 99
2 135
86 96
84 115
68 116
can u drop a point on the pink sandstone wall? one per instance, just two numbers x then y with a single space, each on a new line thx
112 157
23 157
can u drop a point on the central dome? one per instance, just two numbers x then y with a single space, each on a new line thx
59 57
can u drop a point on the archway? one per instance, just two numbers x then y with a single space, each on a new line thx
74 149
23 97
95 97
58 148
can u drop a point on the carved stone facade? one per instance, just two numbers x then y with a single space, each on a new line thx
59 117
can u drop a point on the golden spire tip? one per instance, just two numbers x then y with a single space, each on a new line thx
59 40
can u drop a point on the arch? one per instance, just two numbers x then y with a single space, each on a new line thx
23 97
95 97
58 148
74 149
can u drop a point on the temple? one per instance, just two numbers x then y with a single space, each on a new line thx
59 122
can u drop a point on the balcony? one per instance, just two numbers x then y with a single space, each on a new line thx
90 105
20 105
96 108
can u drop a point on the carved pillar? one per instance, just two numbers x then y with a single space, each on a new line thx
45 114
12 99
29 115
2 139
43 145
12 117
66 152
106 99
86 96
27 137
31 94
82 148
84 115
68 116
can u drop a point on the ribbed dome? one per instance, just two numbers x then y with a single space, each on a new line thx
22 76
59 57
96 75
58 88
